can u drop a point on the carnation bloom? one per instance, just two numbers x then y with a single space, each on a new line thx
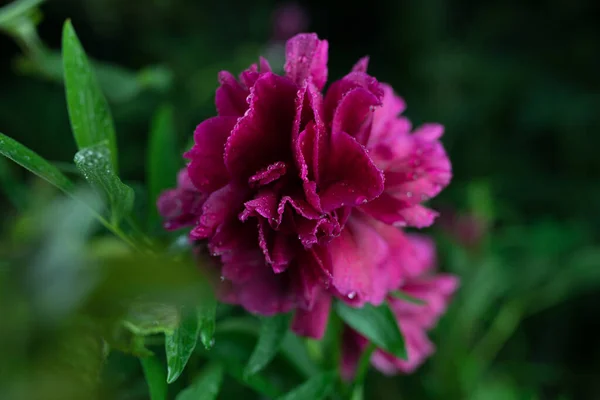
414 320
299 194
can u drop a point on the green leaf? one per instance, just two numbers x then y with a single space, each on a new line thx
16 9
94 163
163 159
89 113
155 377
272 334
151 318
207 312
378 324
180 344
403 296
34 163
316 388
206 386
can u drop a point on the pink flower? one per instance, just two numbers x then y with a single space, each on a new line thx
288 178
414 320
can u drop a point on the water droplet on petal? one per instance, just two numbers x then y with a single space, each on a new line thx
409 194
351 295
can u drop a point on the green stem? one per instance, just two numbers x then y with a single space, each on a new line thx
502 328
356 392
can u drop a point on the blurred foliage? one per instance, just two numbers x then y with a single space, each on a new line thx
516 85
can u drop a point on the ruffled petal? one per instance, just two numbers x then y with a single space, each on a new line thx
351 177
306 57
206 168
230 98
393 211
218 208
268 175
262 136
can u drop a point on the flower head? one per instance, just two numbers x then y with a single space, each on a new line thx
301 189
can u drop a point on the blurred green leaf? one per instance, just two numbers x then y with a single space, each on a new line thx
272 334
155 377
377 324
152 318
34 163
16 9
316 388
90 116
94 163
180 344
163 158
119 84
206 386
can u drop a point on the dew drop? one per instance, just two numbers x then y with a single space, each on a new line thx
409 194
351 295
222 278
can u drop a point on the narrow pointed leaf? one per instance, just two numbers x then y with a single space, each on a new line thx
180 344
272 334
91 120
163 159
207 311
154 373
206 386
94 163
378 324
28 159
316 388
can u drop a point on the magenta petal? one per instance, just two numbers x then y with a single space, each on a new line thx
354 114
384 120
264 204
312 231
393 211
306 56
312 323
268 175
266 294
218 207
277 247
231 96
354 178
206 168
356 255
262 136
361 65
423 257
340 88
